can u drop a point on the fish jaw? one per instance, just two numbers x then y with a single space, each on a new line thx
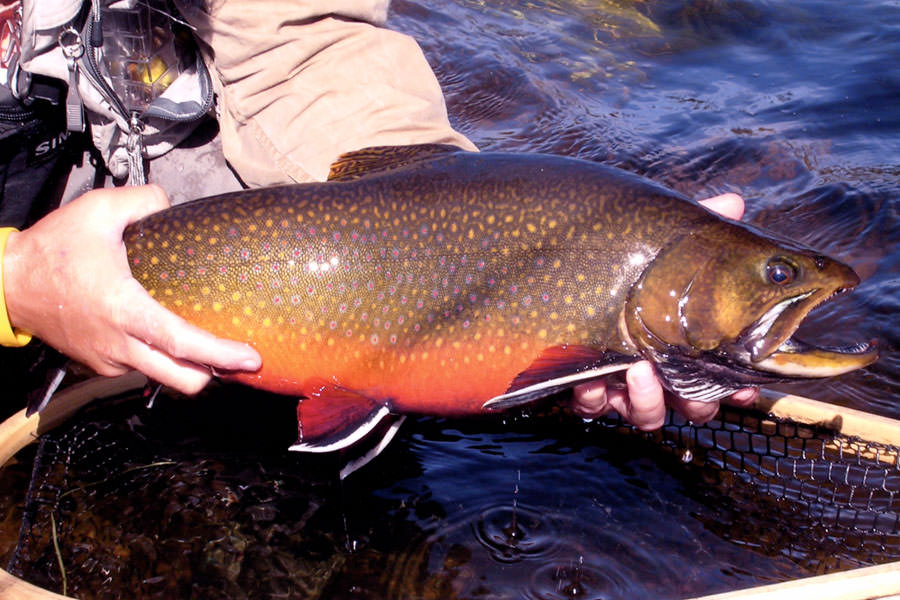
797 359
768 345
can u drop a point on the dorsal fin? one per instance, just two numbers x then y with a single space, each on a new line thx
382 159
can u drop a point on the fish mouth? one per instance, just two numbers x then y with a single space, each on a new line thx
768 345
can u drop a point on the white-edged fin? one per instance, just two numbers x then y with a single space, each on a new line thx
365 458
347 437
536 391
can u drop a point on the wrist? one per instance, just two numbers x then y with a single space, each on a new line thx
9 334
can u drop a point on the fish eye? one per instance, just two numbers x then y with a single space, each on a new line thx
780 272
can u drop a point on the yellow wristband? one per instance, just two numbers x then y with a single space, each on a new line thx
8 336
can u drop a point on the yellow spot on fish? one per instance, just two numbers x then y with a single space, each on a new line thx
530 227
568 299
236 296
217 306
542 334
248 311
205 290
154 260
235 321
198 307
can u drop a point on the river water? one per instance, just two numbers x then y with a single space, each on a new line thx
795 105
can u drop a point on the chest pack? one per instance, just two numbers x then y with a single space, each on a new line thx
132 74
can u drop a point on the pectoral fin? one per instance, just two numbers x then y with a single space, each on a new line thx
557 369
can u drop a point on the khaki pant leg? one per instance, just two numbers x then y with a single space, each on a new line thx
294 94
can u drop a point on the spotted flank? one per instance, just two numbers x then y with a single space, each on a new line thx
430 280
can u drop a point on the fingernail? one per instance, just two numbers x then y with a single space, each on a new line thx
250 364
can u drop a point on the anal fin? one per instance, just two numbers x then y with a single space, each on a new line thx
559 368
332 418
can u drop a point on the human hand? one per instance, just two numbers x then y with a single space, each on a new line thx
67 282
642 403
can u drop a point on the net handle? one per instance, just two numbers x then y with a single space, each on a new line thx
866 583
839 419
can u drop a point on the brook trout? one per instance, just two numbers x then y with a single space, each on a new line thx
431 280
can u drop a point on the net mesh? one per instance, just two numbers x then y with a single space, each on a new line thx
826 502
832 502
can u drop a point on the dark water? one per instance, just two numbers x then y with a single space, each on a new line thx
794 105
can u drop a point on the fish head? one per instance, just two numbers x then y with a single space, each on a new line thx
720 305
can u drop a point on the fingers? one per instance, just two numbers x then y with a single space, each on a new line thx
692 410
150 323
187 378
641 404
175 353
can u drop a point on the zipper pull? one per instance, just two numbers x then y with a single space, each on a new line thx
135 147
73 48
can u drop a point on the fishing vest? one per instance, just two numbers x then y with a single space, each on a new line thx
132 70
